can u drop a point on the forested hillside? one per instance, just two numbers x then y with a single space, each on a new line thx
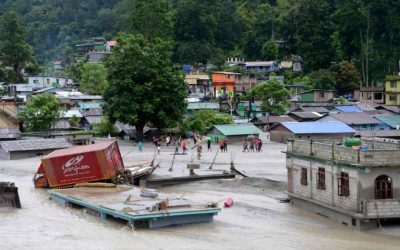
321 32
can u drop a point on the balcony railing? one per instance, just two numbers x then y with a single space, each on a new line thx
385 153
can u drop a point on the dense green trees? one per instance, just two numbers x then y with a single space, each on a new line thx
41 113
94 78
203 119
321 32
15 52
273 96
144 90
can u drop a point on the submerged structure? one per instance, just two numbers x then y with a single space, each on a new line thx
357 186
9 196
139 207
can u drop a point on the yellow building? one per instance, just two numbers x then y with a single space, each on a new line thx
392 89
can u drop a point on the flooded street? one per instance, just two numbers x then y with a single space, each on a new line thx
257 220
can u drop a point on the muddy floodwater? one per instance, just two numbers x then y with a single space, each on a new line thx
257 220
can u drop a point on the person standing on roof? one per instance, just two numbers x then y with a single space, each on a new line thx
140 146
208 145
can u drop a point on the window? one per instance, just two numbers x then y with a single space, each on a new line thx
393 84
321 94
303 180
321 178
383 187
392 97
343 184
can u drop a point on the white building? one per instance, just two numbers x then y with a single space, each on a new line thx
39 82
355 186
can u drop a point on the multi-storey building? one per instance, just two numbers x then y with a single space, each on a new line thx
357 187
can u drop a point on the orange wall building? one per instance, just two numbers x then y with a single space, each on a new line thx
223 83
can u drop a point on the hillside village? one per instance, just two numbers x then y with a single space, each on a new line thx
236 124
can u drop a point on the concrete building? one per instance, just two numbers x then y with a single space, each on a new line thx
370 94
223 83
40 82
392 90
316 95
9 124
199 85
357 188
310 130
20 149
261 66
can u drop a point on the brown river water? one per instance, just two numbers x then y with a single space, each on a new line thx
257 220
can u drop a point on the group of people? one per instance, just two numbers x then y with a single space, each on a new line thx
252 145
223 145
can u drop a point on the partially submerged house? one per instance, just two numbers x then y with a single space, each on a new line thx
357 188
310 130
232 132
20 149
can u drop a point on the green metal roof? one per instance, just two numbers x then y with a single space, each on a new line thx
203 105
391 120
238 129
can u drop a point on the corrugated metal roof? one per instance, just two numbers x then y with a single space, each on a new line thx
330 127
272 119
307 114
93 112
349 108
238 129
355 118
391 120
202 105
39 144
71 113
314 109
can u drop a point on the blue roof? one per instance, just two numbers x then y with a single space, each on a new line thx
349 108
328 127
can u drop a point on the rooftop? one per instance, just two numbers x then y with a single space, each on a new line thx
355 118
392 120
272 119
330 127
238 129
314 109
39 144
348 108
259 64
305 115
202 105
93 112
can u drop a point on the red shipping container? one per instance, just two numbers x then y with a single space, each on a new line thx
78 164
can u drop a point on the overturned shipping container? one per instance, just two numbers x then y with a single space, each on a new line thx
66 167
